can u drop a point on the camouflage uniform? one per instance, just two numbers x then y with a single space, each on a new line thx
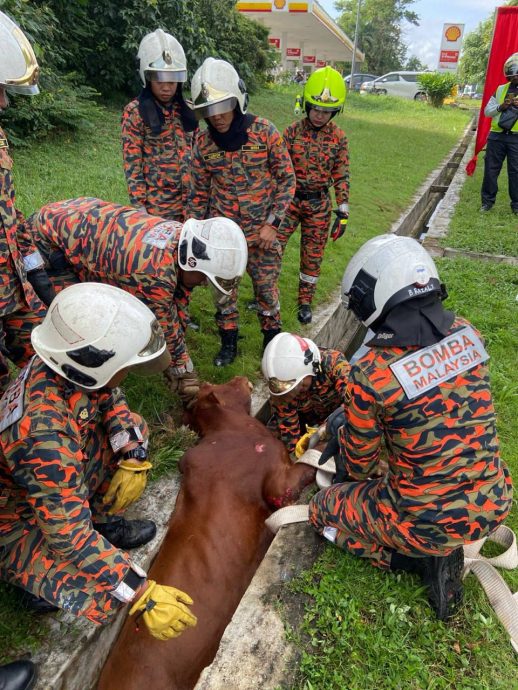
446 483
157 167
320 160
108 243
311 407
247 186
20 308
58 448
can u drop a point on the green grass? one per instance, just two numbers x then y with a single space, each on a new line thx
394 145
495 232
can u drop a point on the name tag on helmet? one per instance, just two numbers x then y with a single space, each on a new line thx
427 368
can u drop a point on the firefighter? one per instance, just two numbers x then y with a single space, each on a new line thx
95 240
73 457
306 385
318 150
422 389
502 141
241 170
157 134
157 130
23 279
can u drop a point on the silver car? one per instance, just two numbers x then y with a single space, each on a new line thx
402 84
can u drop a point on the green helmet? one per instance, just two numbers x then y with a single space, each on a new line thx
511 66
325 90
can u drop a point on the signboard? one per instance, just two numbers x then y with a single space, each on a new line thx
275 42
293 52
309 59
321 63
451 43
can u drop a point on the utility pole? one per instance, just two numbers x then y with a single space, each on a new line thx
353 61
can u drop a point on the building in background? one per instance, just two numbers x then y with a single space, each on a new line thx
302 32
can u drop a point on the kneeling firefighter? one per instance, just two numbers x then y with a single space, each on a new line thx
422 388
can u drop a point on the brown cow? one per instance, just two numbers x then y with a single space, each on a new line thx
232 481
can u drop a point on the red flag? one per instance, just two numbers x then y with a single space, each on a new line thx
504 44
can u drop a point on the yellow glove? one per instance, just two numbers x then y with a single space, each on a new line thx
127 484
165 611
302 443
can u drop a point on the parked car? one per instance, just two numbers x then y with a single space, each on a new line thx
403 84
358 80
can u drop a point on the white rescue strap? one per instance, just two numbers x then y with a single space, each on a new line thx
502 600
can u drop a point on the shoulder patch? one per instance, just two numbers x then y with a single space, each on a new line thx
160 235
427 368
4 144
11 404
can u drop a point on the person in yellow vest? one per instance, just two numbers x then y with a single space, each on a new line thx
502 141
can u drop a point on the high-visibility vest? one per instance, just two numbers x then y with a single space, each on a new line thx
500 95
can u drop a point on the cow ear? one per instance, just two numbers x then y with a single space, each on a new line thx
208 400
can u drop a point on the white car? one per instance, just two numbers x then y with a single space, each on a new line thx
403 84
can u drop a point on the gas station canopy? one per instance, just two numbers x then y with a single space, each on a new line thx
302 31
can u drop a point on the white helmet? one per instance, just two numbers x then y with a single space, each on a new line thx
287 359
216 88
216 247
384 272
92 330
161 58
19 69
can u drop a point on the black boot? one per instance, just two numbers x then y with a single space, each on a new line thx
20 675
305 314
442 576
269 334
127 534
443 579
36 604
228 350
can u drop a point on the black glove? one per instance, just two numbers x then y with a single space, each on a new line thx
339 225
341 474
42 285
335 420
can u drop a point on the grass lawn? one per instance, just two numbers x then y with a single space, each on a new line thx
495 232
394 144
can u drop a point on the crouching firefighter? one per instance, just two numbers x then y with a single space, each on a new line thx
306 385
423 389
88 239
73 457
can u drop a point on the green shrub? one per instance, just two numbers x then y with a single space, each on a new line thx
438 86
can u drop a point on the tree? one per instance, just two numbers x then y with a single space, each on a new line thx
414 64
380 31
438 86
475 53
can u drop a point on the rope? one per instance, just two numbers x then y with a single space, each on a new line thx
502 600
325 472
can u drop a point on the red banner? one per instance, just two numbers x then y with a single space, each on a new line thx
293 52
309 59
505 43
275 42
321 63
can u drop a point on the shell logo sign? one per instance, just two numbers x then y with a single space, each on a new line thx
451 44
279 4
453 33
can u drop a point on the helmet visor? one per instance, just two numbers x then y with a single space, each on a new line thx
325 108
166 75
211 101
155 351
225 285
278 387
